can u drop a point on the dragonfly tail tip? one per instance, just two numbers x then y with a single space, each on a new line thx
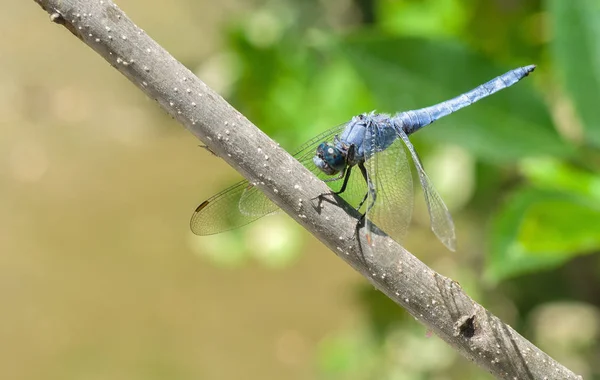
529 69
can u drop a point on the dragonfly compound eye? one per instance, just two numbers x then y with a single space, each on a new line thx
329 159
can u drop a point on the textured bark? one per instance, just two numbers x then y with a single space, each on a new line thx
436 301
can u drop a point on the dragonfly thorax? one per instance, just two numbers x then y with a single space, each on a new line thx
329 158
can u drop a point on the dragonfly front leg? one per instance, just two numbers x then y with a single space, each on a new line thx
346 174
340 176
350 156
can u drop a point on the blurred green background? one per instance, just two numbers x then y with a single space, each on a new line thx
102 279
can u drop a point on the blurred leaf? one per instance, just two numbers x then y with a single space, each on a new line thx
275 241
348 356
423 17
506 29
226 249
552 174
406 74
539 229
560 227
382 313
575 48
293 91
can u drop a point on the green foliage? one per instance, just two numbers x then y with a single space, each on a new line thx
535 145
306 80
559 219
549 223
424 18
576 54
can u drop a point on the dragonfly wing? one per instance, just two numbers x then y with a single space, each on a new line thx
254 203
389 172
441 220
233 207
244 203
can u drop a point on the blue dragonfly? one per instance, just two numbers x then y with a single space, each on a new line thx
376 144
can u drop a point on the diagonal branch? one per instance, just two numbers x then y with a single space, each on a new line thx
435 300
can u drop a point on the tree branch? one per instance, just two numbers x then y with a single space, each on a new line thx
435 300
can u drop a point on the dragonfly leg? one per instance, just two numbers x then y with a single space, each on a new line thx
347 171
371 189
340 176
363 201
346 174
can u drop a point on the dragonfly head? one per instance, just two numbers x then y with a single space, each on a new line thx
329 159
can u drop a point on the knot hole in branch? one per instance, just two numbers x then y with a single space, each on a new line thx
465 326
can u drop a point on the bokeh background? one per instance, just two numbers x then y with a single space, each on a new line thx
100 277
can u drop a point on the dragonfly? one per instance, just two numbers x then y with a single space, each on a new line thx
366 162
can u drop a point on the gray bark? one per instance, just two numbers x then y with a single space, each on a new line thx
436 301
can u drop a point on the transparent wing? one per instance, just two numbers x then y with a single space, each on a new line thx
233 207
441 220
243 203
390 205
